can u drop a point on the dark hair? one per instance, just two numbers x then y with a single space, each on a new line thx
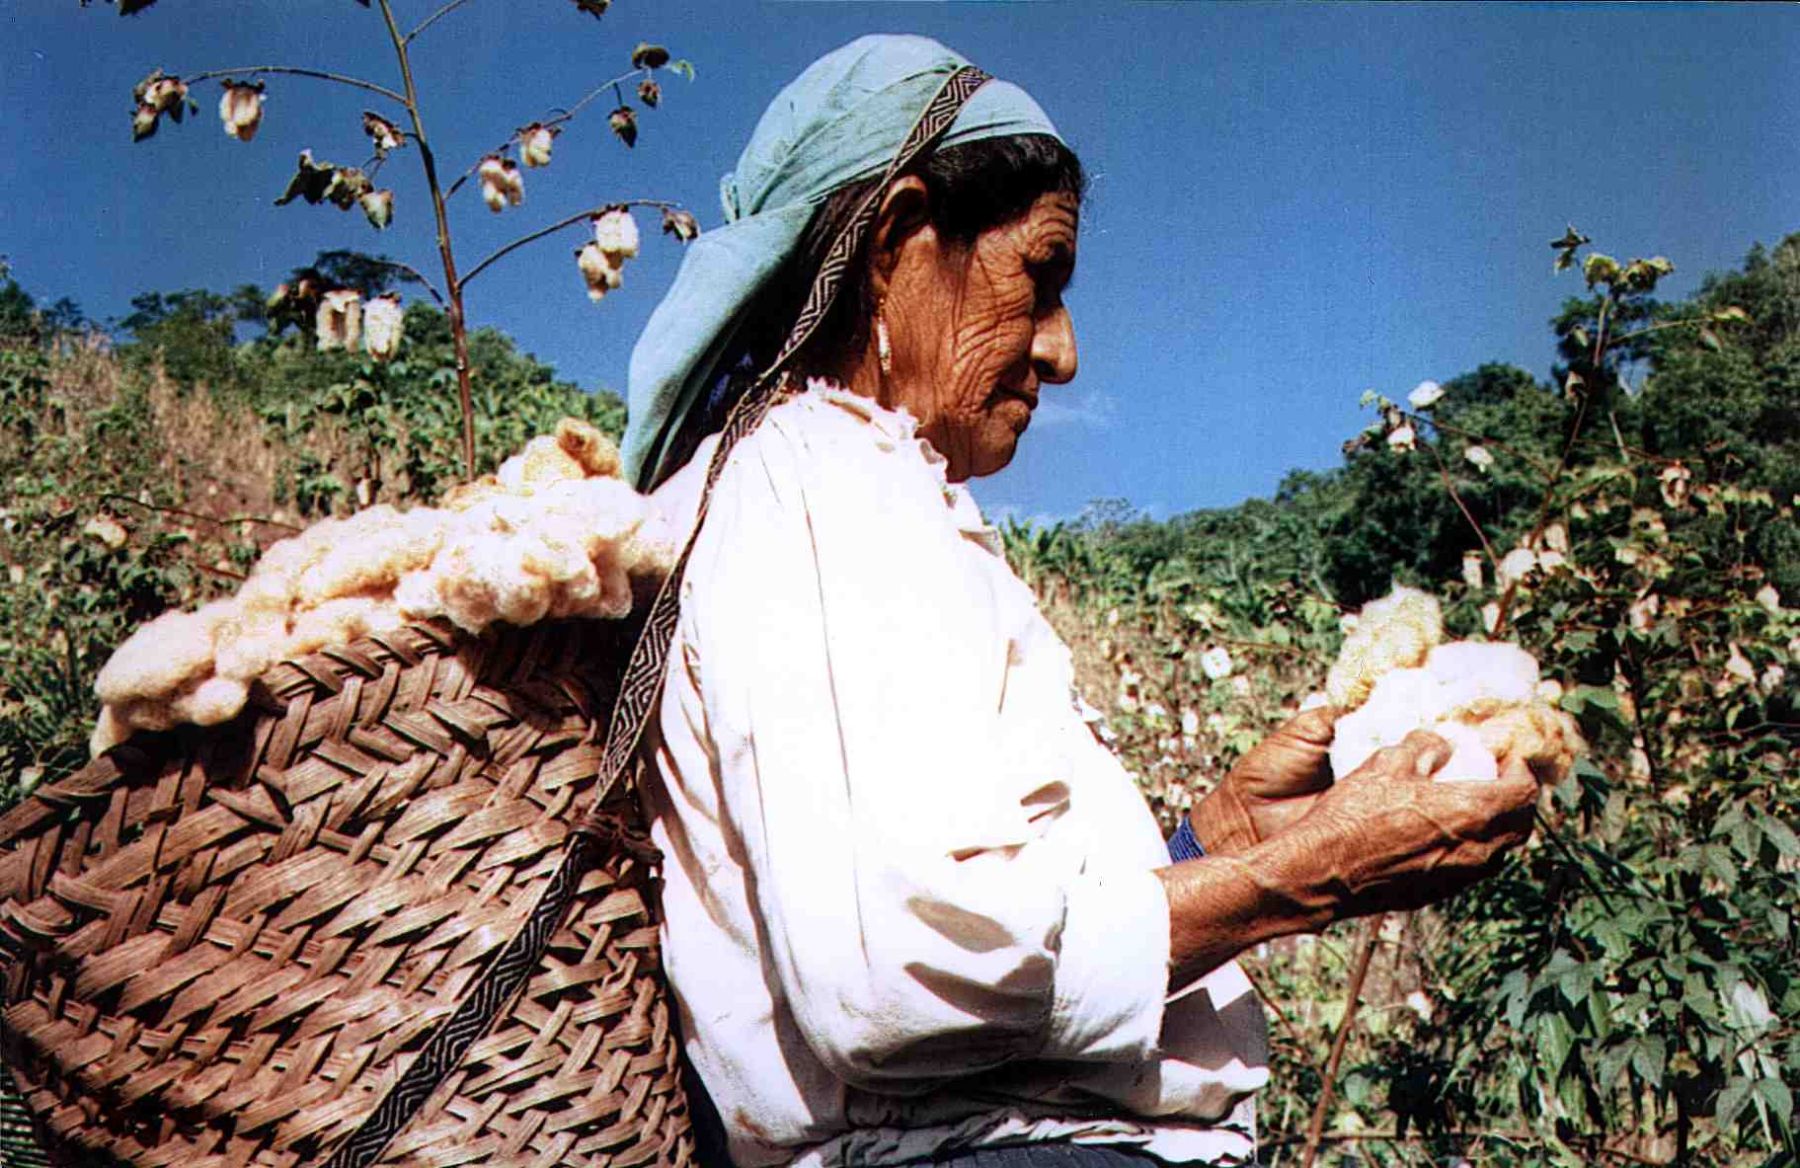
973 187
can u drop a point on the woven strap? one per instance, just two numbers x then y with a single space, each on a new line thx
640 688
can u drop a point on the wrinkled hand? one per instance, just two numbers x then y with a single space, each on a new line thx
1387 837
1270 788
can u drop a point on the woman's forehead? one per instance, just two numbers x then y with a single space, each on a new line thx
1050 224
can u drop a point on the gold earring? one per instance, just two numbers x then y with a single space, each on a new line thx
884 351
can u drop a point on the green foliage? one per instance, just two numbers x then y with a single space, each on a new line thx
128 491
192 333
1625 989
392 431
87 555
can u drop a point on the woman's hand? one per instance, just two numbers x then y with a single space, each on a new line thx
1386 837
1389 837
1270 788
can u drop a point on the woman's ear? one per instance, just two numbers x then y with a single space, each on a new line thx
904 211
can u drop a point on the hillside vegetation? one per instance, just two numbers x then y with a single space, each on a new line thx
1625 991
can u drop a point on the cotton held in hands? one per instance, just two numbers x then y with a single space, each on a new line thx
553 533
1395 675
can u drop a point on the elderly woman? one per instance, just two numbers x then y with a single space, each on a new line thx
914 909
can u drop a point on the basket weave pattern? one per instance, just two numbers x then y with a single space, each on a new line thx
222 947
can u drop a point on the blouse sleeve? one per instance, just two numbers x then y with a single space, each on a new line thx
922 921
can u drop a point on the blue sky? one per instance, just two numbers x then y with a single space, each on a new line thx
1291 203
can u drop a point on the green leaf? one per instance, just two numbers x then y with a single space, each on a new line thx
1575 983
1611 1063
1732 1101
1581 697
1515 991
1649 1055
1780 834
1778 1097
1710 339
1555 1039
683 67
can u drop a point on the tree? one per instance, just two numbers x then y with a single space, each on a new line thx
339 308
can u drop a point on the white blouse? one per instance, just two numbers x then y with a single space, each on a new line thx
910 901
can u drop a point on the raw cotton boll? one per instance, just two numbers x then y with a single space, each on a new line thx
576 595
377 546
1399 702
543 461
501 182
1460 682
117 723
286 559
1484 699
583 441
1467 672
241 108
335 622
1545 737
170 652
1515 566
1470 758
477 583
249 642
383 323
571 586
602 270
592 512
555 532
615 581
266 593
378 209
651 550
339 321
416 596
616 233
213 701
535 142
504 514
1394 632
463 496
109 731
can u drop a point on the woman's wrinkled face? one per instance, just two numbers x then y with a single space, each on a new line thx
977 330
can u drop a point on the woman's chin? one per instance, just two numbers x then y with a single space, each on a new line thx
995 454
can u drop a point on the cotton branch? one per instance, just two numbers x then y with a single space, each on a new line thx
427 159
414 273
558 120
446 10
295 71
555 227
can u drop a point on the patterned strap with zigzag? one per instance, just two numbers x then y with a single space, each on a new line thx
640 688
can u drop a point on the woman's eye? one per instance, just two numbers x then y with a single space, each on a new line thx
1051 275
1051 284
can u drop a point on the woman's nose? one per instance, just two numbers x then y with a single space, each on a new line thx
1053 347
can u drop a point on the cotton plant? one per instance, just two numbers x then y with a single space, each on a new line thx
397 129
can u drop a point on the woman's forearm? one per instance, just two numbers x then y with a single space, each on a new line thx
1221 905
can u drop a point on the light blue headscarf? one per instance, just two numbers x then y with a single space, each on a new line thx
839 122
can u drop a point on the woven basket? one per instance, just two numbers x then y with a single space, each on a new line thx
223 947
